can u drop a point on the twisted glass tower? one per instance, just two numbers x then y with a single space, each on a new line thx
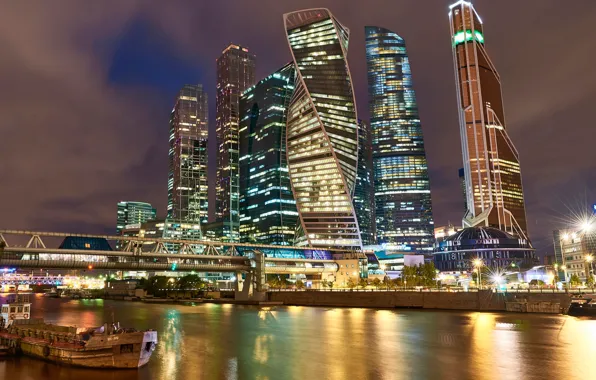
404 219
322 130
494 193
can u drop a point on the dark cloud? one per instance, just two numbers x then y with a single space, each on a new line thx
87 88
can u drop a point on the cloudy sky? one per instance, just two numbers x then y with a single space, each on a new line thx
86 89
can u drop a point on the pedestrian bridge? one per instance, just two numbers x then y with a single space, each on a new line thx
77 251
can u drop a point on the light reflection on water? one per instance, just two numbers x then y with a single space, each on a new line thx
209 341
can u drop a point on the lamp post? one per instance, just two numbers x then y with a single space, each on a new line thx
590 260
478 265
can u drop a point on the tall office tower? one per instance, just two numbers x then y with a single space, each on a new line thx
235 73
188 199
322 130
364 194
132 213
491 163
402 188
267 207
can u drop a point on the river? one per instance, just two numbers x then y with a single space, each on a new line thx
209 341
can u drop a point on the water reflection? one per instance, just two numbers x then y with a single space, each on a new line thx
209 341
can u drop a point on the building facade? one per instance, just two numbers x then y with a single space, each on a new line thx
493 247
491 163
402 187
364 194
267 207
188 198
130 212
575 252
235 73
322 130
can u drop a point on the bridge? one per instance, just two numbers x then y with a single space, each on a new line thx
84 251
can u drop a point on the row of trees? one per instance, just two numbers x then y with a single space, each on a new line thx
163 285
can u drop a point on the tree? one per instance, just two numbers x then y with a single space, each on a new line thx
299 284
363 283
376 283
191 282
330 284
536 282
157 285
388 283
590 281
352 283
574 280
429 274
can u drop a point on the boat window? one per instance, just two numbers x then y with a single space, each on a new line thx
26 309
124 348
148 346
20 309
5 309
13 309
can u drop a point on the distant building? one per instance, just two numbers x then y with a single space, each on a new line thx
577 249
267 207
188 199
462 184
364 193
402 187
493 179
322 130
235 73
130 212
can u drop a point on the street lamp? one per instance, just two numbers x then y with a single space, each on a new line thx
478 265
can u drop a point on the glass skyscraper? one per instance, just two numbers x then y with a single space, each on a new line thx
491 163
322 130
364 195
187 177
133 213
235 73
267 207
404 219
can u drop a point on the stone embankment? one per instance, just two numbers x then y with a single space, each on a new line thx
484 300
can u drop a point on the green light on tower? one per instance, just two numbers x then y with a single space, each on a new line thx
467 36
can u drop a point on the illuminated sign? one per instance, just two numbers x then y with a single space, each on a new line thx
461 37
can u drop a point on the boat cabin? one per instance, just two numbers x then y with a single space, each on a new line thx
17 306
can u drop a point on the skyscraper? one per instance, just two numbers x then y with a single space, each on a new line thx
402 189
491 163
322 130
364 195
235 73
267 207
133 213
187 178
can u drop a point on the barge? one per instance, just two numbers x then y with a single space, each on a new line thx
108 346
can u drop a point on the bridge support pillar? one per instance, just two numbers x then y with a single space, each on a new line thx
253 286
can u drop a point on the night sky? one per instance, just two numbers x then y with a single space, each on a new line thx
86 89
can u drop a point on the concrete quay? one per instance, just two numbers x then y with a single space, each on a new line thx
484 300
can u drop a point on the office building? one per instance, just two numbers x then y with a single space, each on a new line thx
402 188
132 213
235 73
575 252
188 199
364 195
267 207
493 178
322 130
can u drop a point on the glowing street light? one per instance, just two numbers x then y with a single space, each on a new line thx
589 258
478 264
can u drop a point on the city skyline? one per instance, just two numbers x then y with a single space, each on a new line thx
501 48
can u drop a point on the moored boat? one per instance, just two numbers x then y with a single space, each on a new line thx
583 307
108 346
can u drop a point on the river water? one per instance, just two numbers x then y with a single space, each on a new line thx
209 341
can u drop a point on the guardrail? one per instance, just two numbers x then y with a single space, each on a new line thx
472 290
